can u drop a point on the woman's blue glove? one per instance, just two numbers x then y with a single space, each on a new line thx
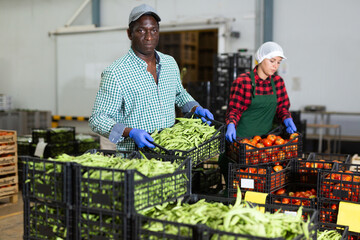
141 138
290 125
203 112
230 132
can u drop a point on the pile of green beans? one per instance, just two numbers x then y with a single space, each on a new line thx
186 134
328 235
239 218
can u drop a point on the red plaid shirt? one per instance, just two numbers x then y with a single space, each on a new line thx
241 92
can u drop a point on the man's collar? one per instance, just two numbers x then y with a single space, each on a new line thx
157 57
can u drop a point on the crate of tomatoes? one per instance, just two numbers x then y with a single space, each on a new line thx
265 149
342 182
295 195
328 210
258 178
306 168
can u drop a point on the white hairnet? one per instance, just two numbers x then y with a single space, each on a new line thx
269 50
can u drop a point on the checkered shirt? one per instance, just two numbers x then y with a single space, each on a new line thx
241 92
129 95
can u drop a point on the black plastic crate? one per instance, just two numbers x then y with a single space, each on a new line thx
242 151
328 210
44 220
258 178
204 151
343 230
342 158
306 168
181 231
340 183
47 180
126 191
82 147
23 145
101 224
294 195
192 231
54 135
207 178
84 143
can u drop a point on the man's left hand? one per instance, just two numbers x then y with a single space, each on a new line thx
203 112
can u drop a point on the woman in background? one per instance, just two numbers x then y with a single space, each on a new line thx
256 97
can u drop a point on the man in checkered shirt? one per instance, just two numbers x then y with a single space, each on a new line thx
138 92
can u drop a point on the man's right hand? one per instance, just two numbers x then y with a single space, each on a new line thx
230 132
141 138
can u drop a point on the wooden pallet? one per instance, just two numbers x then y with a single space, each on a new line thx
10 192
8 166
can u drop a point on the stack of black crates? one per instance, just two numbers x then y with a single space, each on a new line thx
338 183
228 67
262 168
65 200
309 172
59 140
303 179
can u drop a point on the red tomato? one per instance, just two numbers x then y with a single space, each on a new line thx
260 145
280 191
279 141
277 168
252 170
267 142
257 138
271 137
295 137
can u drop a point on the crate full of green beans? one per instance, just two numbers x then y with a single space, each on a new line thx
109 189
206 218
191 137
48 221
47 180
130 183
331 231
85 142
54 135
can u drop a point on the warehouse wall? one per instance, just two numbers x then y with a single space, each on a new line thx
30 59
320 39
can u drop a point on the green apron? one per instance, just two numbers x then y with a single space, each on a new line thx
256 120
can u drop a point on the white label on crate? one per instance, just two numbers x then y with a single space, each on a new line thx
292 213
247 183
40 148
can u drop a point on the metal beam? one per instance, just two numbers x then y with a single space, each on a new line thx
268 20
96 12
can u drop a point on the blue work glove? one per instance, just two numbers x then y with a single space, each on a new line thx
141 138
203 112
290 125
230 132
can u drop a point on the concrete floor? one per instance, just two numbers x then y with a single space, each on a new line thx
11 219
